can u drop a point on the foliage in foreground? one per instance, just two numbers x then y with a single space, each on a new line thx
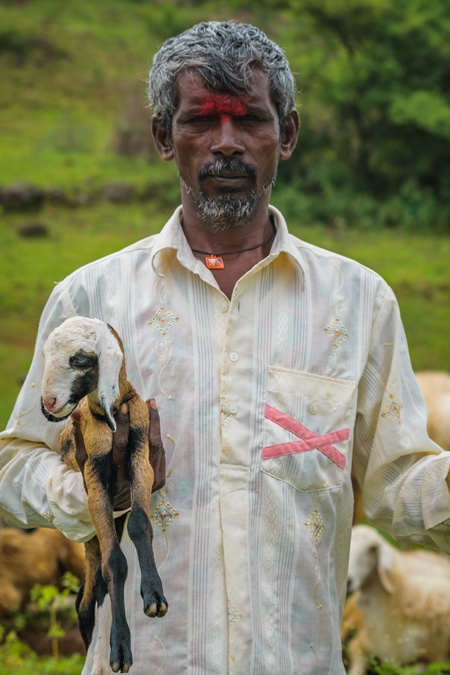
387 669
16 658
50 606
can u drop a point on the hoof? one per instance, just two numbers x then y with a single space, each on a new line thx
115 667
155 604
121 659
156 609
120 668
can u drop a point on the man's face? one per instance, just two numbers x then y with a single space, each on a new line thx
226 148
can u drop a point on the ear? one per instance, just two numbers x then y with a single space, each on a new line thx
109 364
385 564
288 140
162 140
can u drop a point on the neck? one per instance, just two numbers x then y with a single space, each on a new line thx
201 237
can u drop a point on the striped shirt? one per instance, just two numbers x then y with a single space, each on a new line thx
266 401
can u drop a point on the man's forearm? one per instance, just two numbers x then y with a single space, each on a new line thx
38 490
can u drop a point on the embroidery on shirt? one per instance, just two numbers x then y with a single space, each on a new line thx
163 320
163 515
233 615
337 332
159 669
226 414
167 513
269 597
316 526
310 440
35 400
220 638
311 646
283 323
393 409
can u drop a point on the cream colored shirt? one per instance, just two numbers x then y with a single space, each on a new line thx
265 401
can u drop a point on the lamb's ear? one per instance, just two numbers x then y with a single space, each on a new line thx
109 365
385 565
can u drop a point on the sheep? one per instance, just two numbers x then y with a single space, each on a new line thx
37 557
435 387
85 366
402 613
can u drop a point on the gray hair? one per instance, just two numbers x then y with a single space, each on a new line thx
223 54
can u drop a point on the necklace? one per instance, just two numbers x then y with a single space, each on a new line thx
214 261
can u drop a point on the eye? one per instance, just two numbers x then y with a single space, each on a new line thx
82 361
202 119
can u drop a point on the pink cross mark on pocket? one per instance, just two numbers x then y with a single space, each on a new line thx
310 440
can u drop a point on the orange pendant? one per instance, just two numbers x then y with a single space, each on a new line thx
214 263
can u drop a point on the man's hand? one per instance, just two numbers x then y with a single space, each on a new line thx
120 451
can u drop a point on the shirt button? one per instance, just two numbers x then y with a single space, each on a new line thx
223 306
314 409
234 357
233 408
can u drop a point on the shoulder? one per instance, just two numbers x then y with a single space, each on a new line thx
313 255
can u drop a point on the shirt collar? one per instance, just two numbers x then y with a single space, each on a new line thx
172 237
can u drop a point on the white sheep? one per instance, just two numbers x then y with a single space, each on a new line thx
85 367
402 612
435 387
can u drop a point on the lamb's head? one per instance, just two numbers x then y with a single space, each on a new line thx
81 356
370 555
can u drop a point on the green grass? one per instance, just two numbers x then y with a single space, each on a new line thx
16 658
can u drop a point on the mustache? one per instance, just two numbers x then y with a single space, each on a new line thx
233 165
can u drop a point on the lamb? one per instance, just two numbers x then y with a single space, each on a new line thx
435 388
85 367
402 613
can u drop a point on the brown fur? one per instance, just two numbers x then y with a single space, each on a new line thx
39 557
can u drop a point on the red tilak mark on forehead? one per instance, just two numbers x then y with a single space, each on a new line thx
224 105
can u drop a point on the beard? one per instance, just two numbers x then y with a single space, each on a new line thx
229 209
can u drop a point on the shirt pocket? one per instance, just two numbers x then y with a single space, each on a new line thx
308 429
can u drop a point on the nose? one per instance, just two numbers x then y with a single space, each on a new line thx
227 139
49 403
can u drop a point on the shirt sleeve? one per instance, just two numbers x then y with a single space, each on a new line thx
37 489
402 472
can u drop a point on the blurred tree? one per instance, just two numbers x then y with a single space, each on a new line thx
374 79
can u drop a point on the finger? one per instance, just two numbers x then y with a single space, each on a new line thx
155 423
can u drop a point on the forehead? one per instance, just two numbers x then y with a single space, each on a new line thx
192 94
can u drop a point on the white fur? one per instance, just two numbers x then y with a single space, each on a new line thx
75 334
435 387
403 602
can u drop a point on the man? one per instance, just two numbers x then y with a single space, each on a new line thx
275 366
